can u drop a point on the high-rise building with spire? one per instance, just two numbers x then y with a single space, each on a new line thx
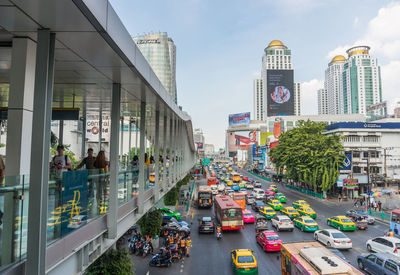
334 85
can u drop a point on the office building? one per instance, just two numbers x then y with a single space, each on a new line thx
259 99
278 84
297 98
322 102
362 85
160 51
397 110
334 85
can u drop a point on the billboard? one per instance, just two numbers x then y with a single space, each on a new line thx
280 93
240 140
239 120
264 137
93 128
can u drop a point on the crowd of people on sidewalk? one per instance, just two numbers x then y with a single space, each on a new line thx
362 202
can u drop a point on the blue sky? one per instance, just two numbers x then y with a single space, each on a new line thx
220 45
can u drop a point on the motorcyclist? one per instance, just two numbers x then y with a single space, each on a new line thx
183 247
389 233
219 231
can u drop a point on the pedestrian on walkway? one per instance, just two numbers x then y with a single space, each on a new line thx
380 206
340 198
188 246
191 217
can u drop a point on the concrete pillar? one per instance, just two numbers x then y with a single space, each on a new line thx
121 150
112 214
83 145
136 128
156 157
100 127
171 153
142 179
19 133
39 172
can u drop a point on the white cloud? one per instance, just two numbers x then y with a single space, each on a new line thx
355 22
383 36
309 97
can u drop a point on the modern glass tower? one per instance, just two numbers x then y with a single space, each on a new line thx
362 84
259 99
160 51
334 86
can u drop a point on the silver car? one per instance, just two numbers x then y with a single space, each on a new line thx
282 222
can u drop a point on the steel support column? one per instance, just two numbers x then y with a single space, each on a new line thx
19 136
142 179
83 145
39 172
112 213
157 157
164 182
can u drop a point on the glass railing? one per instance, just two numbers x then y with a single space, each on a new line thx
14 201
75 198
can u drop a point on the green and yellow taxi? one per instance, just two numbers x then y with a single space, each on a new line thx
342 223
281 197
291 212
244 262
307 211
306 224
268 212
229 182
300 203
274 187
242 185
275 204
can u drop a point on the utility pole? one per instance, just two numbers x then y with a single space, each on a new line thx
384 166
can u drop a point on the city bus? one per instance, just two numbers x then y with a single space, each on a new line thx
228 213
211 181
312 258
236 177
204 197
240 199
395 221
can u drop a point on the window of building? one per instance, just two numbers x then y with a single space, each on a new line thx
356 169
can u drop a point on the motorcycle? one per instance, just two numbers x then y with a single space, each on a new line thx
139 248
175 253
160 260
146 249
219 234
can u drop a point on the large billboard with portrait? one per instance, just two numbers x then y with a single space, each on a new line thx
280 93
239 120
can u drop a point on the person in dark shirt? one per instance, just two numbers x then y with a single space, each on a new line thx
88 161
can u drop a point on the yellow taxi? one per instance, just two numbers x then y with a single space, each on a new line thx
342 223
229 182
244 262
275 204
300 203
307 211
229 169
291 212
273 187
306 224
267 212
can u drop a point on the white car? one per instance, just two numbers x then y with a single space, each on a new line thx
221 187
249 186
384 244
258 193
282 222
333 238
257 184
214 189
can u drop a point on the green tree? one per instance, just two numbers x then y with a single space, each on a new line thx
113 262
309 156
150 223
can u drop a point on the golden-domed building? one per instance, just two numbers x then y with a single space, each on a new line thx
334 86
277 58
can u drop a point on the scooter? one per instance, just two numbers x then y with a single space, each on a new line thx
146 249
139 248
219 234
175 254
160 260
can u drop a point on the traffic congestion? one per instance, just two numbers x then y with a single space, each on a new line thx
286 225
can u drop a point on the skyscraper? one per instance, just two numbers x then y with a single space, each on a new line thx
277 78
322 102
259 100
297 98
334 85
160 51
361 78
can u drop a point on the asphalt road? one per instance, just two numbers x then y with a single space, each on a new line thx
210 256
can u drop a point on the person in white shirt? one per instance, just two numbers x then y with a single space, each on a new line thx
59 164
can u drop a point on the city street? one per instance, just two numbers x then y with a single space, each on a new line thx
210 256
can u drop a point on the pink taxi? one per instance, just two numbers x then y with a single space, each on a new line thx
270 192
248 217
269 240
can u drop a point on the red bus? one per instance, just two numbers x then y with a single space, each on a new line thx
211 181
228 213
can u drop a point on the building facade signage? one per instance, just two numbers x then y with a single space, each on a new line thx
93 128
280 93
346 165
